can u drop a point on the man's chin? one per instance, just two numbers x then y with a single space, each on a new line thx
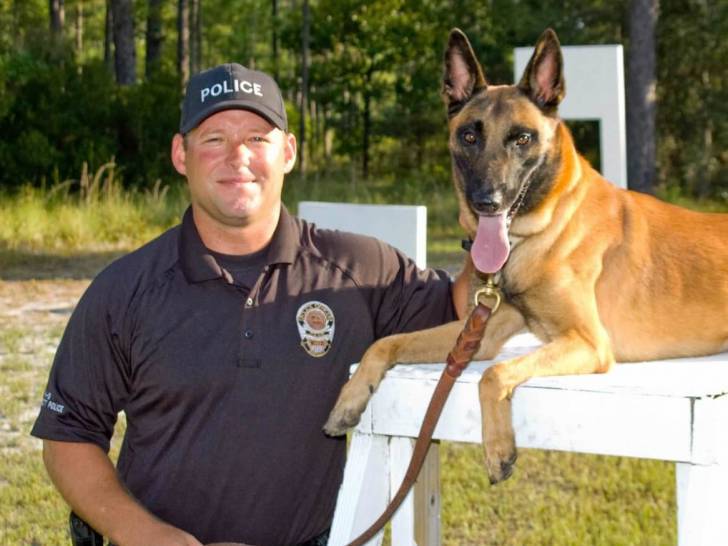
239 213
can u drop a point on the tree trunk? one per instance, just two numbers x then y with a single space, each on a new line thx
305 37
79 33
57 17
195 36
274 39
641 95
154 39
124 50
183 41
705 170
109 38
367 115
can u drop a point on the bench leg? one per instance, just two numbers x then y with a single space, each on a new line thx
403 521
365 490
417 522
702 498
427 500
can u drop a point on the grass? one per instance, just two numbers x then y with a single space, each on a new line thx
92 212
557 498
71 230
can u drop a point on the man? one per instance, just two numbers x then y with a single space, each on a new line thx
225 341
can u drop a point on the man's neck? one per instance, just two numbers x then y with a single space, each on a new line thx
235 240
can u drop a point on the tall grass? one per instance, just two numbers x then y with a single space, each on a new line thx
93 212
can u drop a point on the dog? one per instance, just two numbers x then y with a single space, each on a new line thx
597 273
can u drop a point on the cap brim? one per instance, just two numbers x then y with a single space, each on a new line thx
236 104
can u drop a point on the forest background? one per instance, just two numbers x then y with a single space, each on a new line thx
87 82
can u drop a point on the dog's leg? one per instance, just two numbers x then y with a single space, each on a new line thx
568 354
430 345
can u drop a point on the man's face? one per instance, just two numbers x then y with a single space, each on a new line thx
234 162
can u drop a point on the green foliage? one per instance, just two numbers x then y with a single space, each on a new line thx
692 96
375 70
56 116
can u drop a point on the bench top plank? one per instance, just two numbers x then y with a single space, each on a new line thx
695 377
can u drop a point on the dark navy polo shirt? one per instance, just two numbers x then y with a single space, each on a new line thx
224 403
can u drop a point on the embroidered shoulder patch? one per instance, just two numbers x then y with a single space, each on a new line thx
48 402
315 321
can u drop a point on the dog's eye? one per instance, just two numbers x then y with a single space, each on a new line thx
469 137
523 139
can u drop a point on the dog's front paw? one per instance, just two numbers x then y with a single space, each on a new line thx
348 409
500 456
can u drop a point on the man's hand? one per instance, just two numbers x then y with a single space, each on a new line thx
158 534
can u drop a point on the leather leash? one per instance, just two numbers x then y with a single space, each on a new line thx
458 359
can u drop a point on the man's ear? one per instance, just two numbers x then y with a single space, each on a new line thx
463 74
543 78
289 151
179 154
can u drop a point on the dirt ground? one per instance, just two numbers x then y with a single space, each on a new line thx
38 292
33 314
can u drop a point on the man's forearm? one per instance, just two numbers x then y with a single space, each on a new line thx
87 480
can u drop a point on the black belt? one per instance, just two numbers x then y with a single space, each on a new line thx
320 540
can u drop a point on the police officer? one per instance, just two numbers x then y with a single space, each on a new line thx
225 341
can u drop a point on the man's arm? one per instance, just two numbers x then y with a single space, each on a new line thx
461 288
87 479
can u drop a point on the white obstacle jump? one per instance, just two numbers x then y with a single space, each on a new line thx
675 410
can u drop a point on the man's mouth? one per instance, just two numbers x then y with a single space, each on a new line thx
235 181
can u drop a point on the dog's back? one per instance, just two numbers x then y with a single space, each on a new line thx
663 289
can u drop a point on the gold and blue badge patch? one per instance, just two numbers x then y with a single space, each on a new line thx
315 321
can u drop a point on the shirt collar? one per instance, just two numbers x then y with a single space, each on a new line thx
198 264
286 239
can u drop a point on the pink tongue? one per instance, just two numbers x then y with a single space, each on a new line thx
491 247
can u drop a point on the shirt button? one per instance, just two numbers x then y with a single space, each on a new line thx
249 302
248 334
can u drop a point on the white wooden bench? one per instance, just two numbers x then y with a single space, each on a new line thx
675 410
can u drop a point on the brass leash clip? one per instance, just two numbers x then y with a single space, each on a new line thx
488 294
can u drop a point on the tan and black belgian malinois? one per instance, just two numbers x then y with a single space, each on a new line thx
597 273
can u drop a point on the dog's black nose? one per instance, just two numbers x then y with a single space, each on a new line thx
485 201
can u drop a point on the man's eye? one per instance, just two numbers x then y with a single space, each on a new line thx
258 139
213 140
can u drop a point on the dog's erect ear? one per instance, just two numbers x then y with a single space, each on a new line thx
543 79
463 75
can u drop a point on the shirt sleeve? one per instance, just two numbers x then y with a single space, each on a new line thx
89 380
404 297
412 299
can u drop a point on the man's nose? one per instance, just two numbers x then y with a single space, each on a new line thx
240 154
